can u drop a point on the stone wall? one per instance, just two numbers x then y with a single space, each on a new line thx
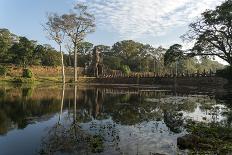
181 81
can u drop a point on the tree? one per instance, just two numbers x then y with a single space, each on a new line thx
156 54
103 48
129 52
55 33
5 44
23 52
77 25
209 65
47 55
213 33
173 54
84 48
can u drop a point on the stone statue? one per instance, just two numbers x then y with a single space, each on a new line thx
96 65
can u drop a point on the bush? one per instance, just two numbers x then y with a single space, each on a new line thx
125 69
23 80
225 73
3 71
27 73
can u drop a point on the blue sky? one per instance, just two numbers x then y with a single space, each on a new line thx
157 22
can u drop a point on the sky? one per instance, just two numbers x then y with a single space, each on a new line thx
156 22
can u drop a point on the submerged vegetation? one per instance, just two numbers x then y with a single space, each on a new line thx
208 138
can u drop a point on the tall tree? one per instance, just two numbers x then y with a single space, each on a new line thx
213 33
56 33
156 54
77 25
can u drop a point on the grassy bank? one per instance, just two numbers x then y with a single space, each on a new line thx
41 74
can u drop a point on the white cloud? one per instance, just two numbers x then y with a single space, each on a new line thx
132 19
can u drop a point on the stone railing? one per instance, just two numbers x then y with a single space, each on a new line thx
156 75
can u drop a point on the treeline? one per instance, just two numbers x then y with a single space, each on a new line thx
126 55
22 51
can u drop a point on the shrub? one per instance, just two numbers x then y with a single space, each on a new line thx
23 80
27 73
3 71
125 69
225 73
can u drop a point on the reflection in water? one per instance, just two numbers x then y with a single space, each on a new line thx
104 120
62 103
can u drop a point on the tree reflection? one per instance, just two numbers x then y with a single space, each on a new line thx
70 137
90 118
20 107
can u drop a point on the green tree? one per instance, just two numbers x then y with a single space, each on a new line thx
84 52
129 52
208 65
85 48
49 56
23 52
173 54
213 33
154 56
5 44
125 69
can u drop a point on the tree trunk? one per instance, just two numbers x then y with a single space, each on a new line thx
69 59
75 63
154 67
62 63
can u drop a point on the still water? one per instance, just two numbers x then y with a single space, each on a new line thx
101 120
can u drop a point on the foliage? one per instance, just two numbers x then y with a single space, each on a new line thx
112 62
135 55
173 54
96 144
6 40
27 73
213 33
85 48
209 65
208 137
125 69
226 72
23 80
3 70
127 50
23 52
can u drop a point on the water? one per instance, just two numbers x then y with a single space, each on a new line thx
113 120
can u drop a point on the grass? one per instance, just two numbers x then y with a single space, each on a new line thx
8 79
43 80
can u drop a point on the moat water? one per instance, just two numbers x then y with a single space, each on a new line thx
104 120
